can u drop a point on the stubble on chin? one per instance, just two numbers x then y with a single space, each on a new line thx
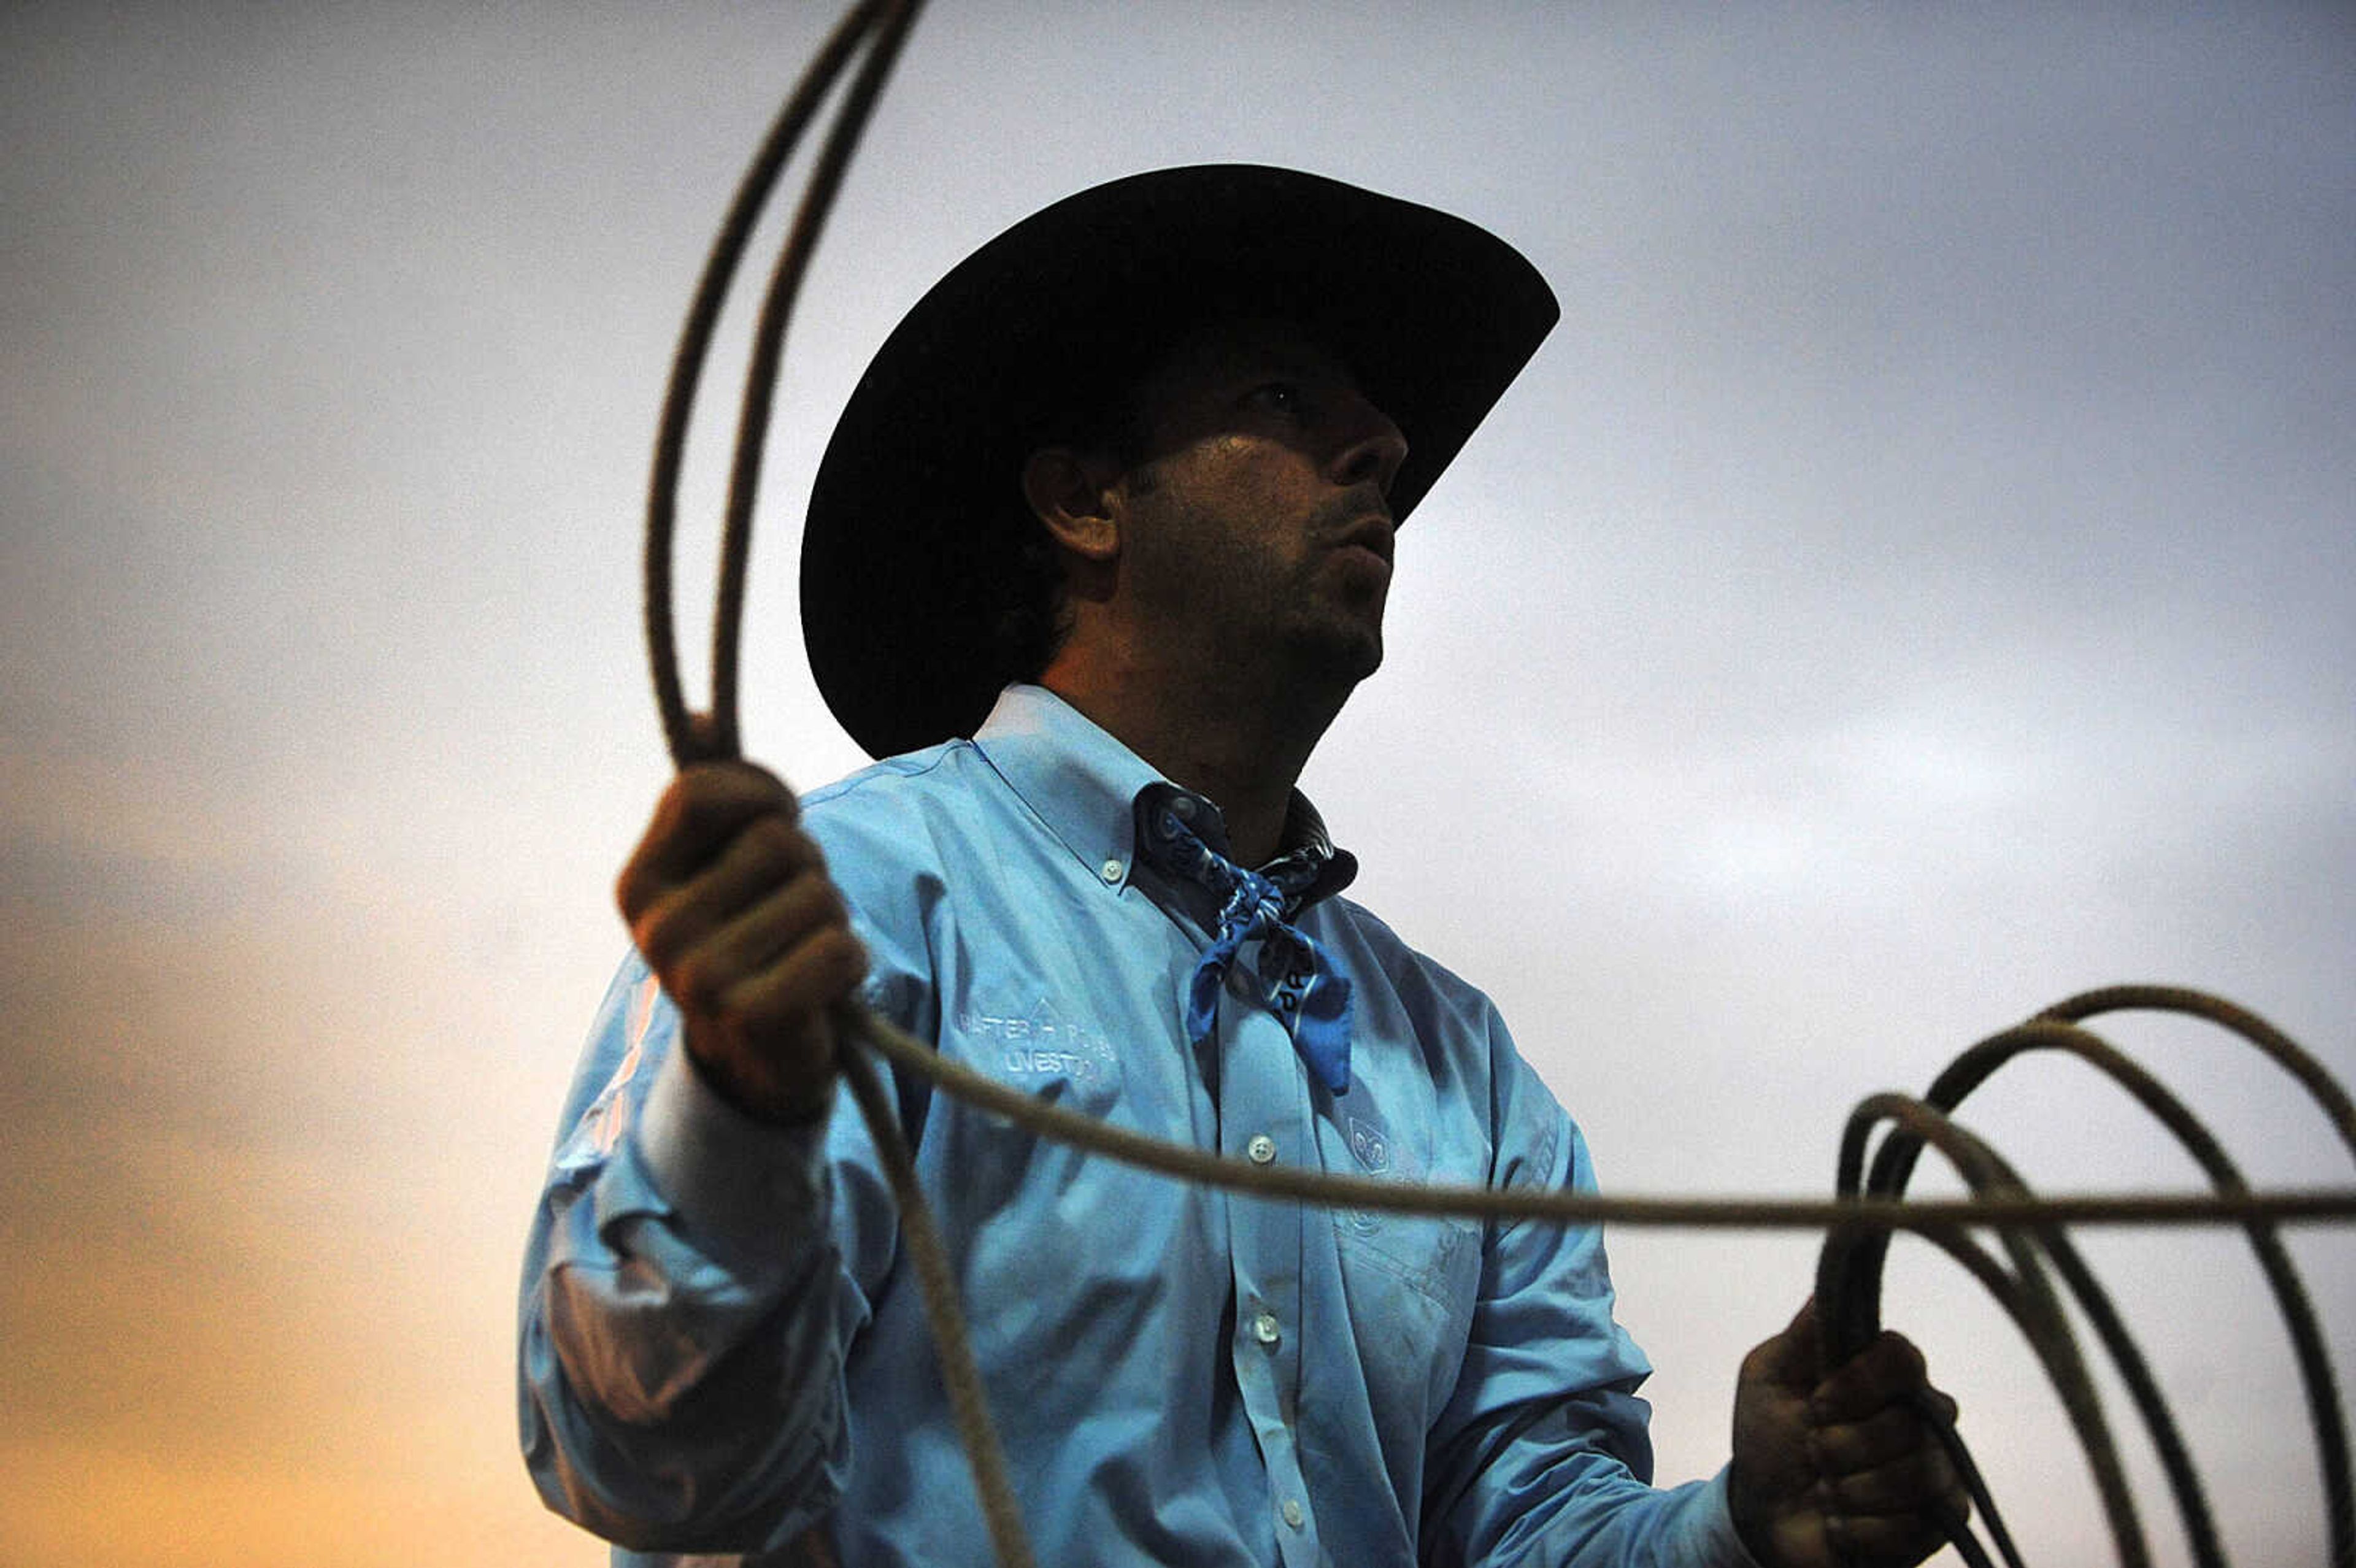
1340 647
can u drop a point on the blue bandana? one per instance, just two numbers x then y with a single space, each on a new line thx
1300 979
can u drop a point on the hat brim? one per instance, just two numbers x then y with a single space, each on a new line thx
917 512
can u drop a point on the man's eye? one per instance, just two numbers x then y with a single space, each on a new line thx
1281 397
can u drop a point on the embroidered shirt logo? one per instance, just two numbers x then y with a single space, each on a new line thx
1371 1147
1038 1041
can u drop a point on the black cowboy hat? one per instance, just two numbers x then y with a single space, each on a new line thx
917 518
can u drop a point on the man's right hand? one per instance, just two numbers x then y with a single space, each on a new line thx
729 901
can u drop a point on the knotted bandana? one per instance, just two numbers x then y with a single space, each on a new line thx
1302 985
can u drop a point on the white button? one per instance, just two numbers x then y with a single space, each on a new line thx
1185 806
1109 871
1266 1330
1261 1149
1293 1512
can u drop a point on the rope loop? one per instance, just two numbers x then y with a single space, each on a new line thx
882 26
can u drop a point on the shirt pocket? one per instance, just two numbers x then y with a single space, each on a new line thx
1412 1282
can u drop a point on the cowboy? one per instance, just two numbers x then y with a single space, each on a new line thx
1099 549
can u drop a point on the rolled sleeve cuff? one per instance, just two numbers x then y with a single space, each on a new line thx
1714 1515
747 1191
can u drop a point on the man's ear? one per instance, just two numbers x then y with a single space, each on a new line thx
1071 494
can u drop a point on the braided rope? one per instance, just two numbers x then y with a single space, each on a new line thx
881 26
1860 1221
1849 1273
1188 1163
2035 1308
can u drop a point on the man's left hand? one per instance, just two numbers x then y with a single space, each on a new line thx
1840 1469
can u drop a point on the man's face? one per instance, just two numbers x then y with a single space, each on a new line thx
1257 517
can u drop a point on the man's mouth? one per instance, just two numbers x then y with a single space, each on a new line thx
1372 533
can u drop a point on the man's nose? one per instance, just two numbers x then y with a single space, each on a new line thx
1371 447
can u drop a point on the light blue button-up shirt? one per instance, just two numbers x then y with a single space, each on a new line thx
720 1347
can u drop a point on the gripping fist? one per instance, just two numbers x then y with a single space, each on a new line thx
1840 1469
730 903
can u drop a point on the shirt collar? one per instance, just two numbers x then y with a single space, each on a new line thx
1089 788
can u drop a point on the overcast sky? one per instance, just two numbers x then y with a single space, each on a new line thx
1916 581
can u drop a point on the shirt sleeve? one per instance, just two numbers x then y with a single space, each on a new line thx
1542 1454
683 1304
